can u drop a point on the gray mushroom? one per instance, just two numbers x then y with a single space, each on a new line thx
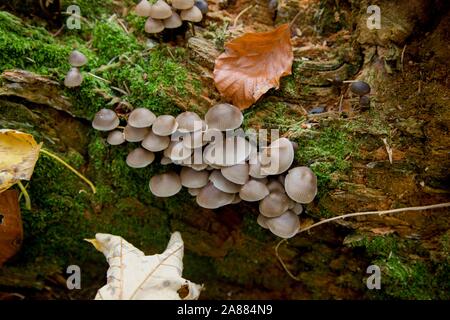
77 59
153 26
115 138
274 205
182 4
155 143
161 10
194 191
177 151
277 158
223 116
284 226
189 121
141 118
174 21
140 158
253 191
221 183
194 140
212 198
133 134
275 186
74 78
232 150
193 14
143 8
237 174
165 125
262 221
297 209
193 179
255 166
301 184
236 199
165 161
105 120
165 185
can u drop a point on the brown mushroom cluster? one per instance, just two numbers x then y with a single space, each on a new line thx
74 78
220 165
160 15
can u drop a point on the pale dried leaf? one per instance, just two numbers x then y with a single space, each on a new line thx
134 276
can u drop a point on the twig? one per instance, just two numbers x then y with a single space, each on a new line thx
25 195
68 166
240 15
388 149
282 262
402 57
97 77
295 19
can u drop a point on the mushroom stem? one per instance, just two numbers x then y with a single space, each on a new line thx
25 195
193 28
68 166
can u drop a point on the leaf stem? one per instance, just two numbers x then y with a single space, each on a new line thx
68 166
25 195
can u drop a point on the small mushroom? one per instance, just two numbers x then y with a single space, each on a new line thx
194 191
153 25
141 118
274 205
224 116
199 166
284 226
140 158
262 221
237 173
165 185
255 167
297 209
275 186
189 122
133 134
77 59
155 143
193 14
228 152
194 140
301 184
253 191
174 21
143 8
193 179
202 5
221 183
277 158
74 78
105 120
182 4
364 101
165 161
177 151
236 199
360 88
212 198
115 138
161 10
165 125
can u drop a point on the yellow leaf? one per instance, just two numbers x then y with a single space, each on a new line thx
18 155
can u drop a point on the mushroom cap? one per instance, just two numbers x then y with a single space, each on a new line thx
143 8
105 120
221 183
297 209
77 59
253 191
133 134
177 151
360 88
74 78
153 25
193 179
189 121
202 5
274 205
262 221
199 166
236 199
165 125
172 22
194 191
301 184
223 116
275 186
165 185
165 161
161 10
193 14
228 152
277 158
182 4
255 167
284 226
237 174
212 198
155 143
141 118
194 140
115 138
140 158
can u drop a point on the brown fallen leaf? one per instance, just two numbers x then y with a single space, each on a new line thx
11 232
253 64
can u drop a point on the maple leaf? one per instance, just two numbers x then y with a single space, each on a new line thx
253 64
134 276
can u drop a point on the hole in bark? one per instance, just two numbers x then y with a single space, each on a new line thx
1 218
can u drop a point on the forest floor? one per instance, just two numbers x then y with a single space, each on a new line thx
391 154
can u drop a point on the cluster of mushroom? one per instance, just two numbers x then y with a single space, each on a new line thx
74 78
362 89
220 165
163 16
